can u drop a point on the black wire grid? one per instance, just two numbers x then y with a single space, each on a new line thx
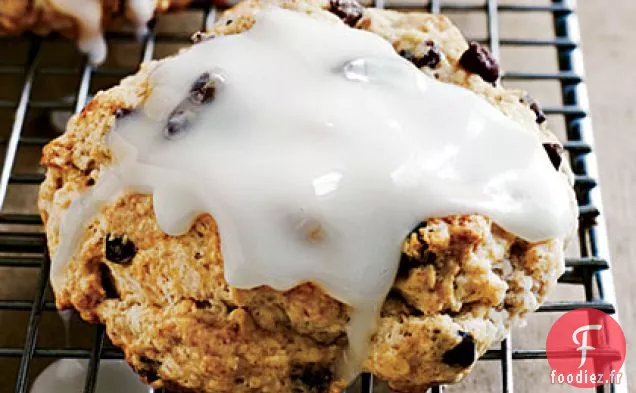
22 242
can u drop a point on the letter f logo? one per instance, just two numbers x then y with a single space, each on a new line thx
584 347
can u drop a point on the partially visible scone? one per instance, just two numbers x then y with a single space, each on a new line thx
82 20
164 300
43 17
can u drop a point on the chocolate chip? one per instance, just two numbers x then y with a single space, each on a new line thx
149 369
536 108
203 89
149 375
119 249
229 22
312 377
463 354
555 152
121 112
431 59
350 11
201 36
538 112
178 122
477 59
108 282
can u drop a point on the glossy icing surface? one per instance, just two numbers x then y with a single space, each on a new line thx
317 152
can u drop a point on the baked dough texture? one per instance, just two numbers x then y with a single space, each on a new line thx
462 280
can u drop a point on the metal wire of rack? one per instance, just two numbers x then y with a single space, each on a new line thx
22 243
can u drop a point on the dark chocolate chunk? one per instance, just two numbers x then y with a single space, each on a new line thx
431 59
149 375
350 11
228 22
477 59
121 112
555 152
149 370
119 249
203 89
463 354
538 112
536 108
312 377
108 282
178 123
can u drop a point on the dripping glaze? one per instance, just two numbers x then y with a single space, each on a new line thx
316 153
88 16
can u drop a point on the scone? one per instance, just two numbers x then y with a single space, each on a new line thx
233 215
79 19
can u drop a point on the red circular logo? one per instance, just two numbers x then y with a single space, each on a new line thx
585 349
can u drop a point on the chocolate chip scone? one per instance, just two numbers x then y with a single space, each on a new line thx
164 297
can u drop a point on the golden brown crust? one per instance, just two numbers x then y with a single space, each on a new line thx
462 279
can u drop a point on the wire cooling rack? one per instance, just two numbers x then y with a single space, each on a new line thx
31 67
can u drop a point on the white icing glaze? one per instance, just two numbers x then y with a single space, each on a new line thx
141 11
88 14
66 316
322 149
